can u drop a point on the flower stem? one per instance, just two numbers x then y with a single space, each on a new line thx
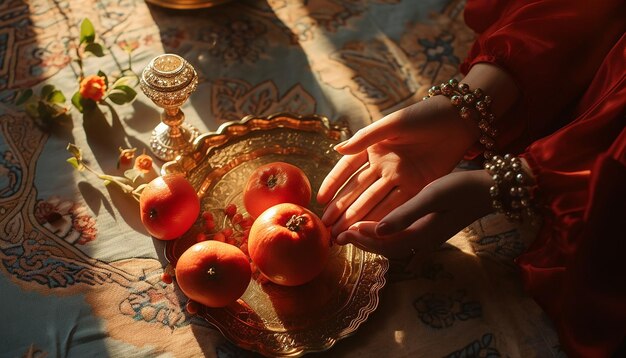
119 181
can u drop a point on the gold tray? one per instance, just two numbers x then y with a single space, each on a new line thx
271 319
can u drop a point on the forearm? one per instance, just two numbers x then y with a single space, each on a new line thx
492 92
496 83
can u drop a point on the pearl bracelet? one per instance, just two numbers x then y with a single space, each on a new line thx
464 99
513 191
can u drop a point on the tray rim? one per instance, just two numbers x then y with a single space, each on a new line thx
185 163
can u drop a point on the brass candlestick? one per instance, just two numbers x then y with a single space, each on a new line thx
168 81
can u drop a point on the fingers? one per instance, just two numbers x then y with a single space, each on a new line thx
396 197
363 236
355 187
353 237
424 222
384 128
462 196
404 215
341 172
359 207
360 236
424 236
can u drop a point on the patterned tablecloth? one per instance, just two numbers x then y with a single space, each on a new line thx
79 275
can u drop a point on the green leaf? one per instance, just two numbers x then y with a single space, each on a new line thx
58 110
87 32
122 94
56 96
129 91
45 112
23 96
75 151
77 101
95 48
104 75
75 163
125 81
31 109
46 90
118 97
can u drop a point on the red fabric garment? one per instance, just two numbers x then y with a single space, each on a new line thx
576 269
552 48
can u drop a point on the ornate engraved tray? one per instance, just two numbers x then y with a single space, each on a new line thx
271 319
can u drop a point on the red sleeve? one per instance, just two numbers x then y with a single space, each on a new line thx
568 58
552 48
575 268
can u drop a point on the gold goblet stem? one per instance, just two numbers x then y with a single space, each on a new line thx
168 81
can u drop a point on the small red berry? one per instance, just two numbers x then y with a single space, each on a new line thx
246 234
166 278
244 247
201 237
230 210
219 236
237 218
207 215
246 222
228 232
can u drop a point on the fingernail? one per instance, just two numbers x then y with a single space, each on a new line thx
319 201
340 145
342 238
383 229
353 228
324 219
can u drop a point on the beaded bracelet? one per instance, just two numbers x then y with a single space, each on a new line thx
513 191
464 99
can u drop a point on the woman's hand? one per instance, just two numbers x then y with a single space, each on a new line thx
391 160
442 209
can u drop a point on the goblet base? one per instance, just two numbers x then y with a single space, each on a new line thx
167 143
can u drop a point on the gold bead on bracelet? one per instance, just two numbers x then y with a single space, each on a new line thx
512 192
465 100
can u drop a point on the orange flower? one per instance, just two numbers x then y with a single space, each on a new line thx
128 45
143 163
126 157
93 87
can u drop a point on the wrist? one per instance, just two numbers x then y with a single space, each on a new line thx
467 131
513 189
482 183
495 82
473 106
